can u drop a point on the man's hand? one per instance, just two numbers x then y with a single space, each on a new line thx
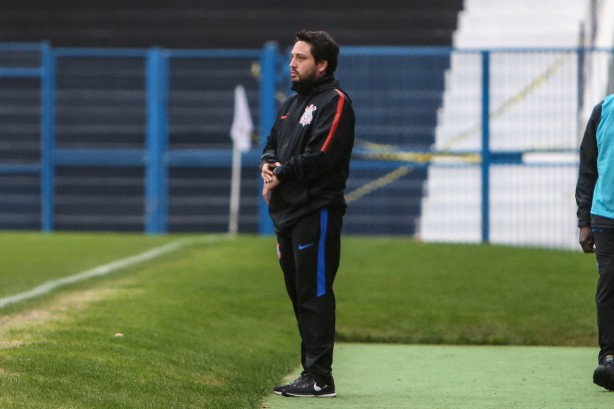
267 171
268 188
587 240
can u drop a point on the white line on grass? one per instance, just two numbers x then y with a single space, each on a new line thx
97 271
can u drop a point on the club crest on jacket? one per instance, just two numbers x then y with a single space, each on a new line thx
307 115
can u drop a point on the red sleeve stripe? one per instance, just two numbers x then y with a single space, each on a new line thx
333 128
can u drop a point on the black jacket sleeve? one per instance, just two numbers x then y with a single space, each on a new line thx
587 173
269 153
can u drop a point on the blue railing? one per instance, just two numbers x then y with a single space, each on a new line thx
154 156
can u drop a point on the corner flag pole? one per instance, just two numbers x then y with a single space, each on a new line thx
235 191
240 133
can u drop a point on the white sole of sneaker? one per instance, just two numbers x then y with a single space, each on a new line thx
294 395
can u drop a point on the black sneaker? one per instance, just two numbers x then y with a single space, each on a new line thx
307 387
278 389
604 373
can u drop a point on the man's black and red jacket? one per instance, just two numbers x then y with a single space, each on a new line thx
312 138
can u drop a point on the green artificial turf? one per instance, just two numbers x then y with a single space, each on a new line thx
378 376
210 326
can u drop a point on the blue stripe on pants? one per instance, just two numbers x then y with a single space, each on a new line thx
321 253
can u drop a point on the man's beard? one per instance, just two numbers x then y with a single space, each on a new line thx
306 81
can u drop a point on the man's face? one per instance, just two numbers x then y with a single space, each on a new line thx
303 68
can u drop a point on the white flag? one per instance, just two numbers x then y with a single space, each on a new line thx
242 125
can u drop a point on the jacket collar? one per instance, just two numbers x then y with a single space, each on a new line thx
327 81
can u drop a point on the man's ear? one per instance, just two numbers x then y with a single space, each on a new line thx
321 66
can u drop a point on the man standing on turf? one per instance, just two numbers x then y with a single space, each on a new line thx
595 199
305 165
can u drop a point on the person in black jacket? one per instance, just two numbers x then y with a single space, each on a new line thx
305 165
595 200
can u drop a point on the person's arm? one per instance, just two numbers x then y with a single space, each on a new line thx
331 136
268 159
587 239
587 178
268 188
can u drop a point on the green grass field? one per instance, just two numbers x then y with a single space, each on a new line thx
209 325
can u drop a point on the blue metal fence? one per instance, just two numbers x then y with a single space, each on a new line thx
425 117
33 61
164 143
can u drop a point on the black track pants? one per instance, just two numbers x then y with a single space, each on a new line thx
604 244
309 257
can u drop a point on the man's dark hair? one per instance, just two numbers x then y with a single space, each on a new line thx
323 47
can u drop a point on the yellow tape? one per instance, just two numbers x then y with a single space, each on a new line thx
378 183
421 157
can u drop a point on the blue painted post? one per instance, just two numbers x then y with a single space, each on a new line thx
268 110
47 138
485 146
156 184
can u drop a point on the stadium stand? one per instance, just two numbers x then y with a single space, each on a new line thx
522 117
229 24
396 106
101 104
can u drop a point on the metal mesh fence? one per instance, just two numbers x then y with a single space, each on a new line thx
451 145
